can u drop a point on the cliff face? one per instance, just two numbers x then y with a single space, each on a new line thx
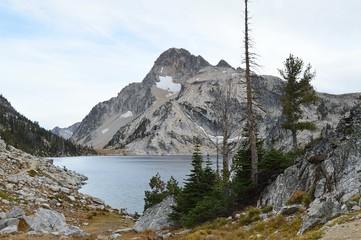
329 170
176 102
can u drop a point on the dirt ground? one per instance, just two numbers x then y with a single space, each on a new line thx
350 230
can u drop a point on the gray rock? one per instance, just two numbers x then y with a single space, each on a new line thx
45 205
125 230
48 221
2 144
356 208
9 230
344 208
2 215
15 212
98 200
319 213
65 190
156 217
184 232
8 223
291 209
33 234
71 198
116 235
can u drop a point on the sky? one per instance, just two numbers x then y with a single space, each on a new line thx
59 58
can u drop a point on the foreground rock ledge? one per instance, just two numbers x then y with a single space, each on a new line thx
37 197
43 221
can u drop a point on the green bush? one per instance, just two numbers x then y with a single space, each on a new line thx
267 209
4 195
252 215
218 203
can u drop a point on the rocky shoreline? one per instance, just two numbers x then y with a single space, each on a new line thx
39 198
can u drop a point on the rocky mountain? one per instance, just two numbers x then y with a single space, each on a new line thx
22 133
175 103
329 172
67 132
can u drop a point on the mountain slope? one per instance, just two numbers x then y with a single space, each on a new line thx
22 133
105 119
175 103
67 132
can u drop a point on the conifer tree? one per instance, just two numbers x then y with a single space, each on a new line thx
160 190
197 186
157 194
297 92
193 187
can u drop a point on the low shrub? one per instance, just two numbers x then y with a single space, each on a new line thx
267 209
252 215
4 195
299 197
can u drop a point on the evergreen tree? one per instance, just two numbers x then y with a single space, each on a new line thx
172 187
244 186
197 186
160 190
193 189
209 176
297 92
157 194
273 163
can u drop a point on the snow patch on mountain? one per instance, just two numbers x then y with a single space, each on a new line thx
127 114
166 83
105 130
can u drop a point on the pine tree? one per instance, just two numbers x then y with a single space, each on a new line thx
157 194
197 186
160 190
193 188
297 92
172 187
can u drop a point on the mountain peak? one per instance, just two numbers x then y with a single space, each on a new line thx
180 59
223 63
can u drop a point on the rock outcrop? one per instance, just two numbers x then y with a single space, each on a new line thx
157 217
35 196
175 103
329 171
43 221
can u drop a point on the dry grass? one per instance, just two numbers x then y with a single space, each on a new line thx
299 197
277 227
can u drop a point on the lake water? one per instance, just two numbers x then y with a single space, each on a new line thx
121 180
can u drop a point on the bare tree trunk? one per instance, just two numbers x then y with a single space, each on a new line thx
294 138
217 147
225 150
251 121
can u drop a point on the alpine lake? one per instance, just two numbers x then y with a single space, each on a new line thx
120 181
